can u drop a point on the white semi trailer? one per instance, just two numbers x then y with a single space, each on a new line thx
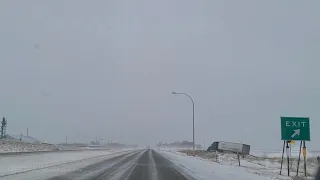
223 146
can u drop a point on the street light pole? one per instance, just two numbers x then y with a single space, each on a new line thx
192 118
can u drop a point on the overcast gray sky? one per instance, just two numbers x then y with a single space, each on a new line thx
107 68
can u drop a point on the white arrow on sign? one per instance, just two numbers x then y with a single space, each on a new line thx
296 132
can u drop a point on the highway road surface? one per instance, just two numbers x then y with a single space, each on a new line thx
134 165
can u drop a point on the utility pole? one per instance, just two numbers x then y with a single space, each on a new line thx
27 132
66 139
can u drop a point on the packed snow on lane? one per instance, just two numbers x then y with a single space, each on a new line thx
15 164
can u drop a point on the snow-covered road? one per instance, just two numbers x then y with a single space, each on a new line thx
45 165
143 164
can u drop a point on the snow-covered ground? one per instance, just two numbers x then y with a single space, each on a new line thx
17 146
278 153
205 170
23 138
13 146
15 164
204 166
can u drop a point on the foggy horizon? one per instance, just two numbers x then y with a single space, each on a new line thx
107 69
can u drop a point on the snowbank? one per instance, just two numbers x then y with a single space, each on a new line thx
23 163
27 139
267 166
204 170
278 153
16 146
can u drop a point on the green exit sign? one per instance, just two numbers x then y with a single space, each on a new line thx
295 128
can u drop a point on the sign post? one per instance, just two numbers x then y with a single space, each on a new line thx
287 153
299 158
238 158
295 128
304 157
291 161
284 143
290 156
216 156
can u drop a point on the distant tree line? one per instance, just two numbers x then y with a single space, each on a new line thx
178 144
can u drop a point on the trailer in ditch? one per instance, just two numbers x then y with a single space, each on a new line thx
222 146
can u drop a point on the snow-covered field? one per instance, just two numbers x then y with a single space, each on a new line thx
204 170
204 166
13 164
278 153
9 146
16 146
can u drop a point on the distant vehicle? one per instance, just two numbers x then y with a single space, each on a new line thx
230 147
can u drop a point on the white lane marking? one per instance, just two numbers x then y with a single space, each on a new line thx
153 173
